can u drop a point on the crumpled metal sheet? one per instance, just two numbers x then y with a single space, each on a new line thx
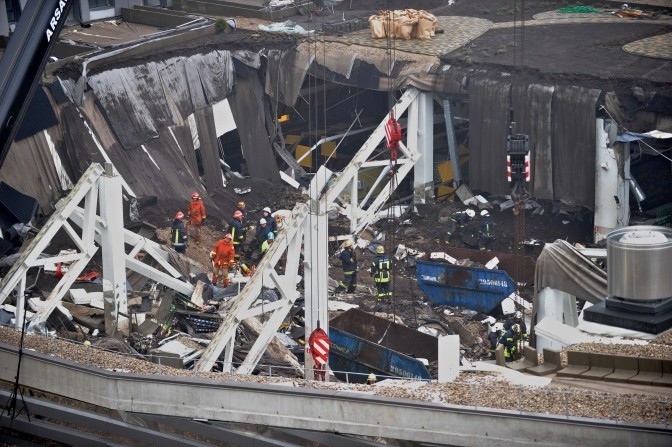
138 100
574 134
123 99
561 123
488 128
285 73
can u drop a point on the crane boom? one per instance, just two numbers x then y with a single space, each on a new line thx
24 60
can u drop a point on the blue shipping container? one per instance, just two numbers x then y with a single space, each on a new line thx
468 287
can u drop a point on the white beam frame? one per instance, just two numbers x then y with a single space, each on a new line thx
98 188
308 223
287 243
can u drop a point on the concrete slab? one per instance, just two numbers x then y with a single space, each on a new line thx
511 376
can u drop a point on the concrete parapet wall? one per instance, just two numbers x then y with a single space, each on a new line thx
153 17
224 9
616 368
137 50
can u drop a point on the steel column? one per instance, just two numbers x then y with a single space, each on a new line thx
421 138
114 266
452 144
316 262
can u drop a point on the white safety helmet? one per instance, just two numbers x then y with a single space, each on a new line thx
497 327
484 213
518 315
470 213
262 221
267 210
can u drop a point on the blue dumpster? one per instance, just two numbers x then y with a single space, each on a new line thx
468 287
363 343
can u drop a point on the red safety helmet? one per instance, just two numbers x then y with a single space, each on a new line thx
237 214
228 236
195 196
179 215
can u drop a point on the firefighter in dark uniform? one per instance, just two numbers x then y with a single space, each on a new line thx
381 271
238 232
487 231
458 219
510 339
178 234
349 261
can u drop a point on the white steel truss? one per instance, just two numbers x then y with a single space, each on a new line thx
306 234
288 245
98 188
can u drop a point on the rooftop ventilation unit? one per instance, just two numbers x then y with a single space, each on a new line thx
639 280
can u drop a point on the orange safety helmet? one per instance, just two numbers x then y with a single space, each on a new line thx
241 204
179 215
228 236
195 196
237 214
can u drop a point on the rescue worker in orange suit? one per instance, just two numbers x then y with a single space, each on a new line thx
196 215
223 258
348 258
238 232
381 271
178 234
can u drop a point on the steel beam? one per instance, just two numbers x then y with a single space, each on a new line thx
95 190
243 306
421 137
316 270
15 278
360 217
114 268
308 224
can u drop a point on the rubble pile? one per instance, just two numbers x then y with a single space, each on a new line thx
481 389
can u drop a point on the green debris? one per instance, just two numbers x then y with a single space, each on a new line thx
580 9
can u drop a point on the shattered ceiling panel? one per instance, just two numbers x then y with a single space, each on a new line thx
247 106
122 99
210 77
250 58
173 75
285 73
